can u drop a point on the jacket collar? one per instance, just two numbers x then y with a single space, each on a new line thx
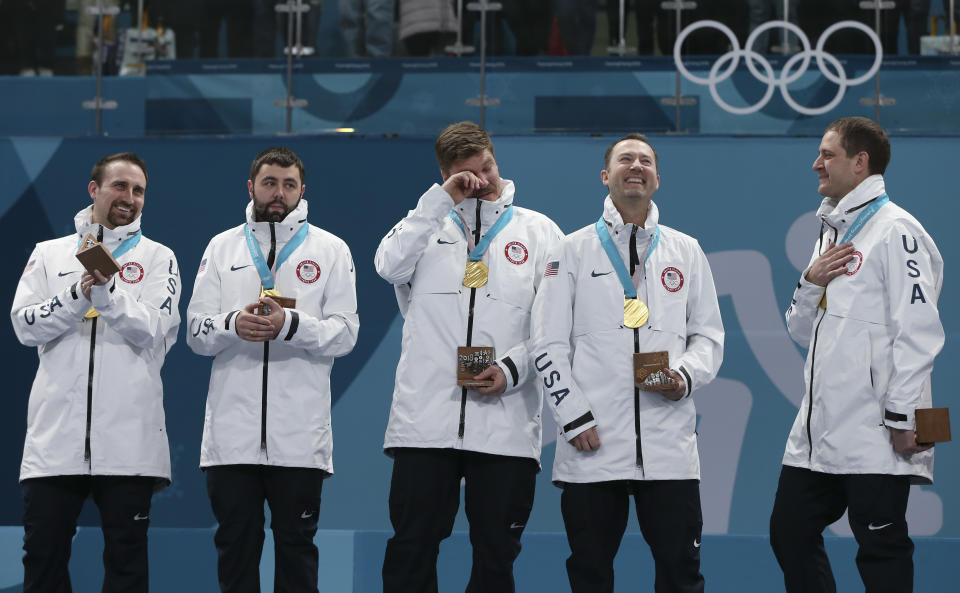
283 230
111 237
489 211
842 214
615 222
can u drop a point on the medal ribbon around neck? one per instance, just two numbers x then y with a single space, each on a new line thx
635 311
476 272
862 219
266 276
124 246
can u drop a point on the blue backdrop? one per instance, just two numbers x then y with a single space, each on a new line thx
748 200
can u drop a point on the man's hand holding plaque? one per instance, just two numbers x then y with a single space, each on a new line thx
472 362
652 372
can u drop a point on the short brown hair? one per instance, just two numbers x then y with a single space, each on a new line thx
96 174
460 141
277 155
635 136
859 134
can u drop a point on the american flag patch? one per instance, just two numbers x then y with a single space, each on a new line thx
552 268
29 265
203 265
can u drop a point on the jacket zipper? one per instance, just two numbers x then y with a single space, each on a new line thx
813 361
473 300
266 354
635 261
93 347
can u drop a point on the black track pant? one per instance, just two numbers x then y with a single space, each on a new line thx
595 516
50 510
237 493
807 502
424 497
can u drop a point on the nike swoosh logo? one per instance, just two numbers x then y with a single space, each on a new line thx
873 527
516 525
139 517
442 242
595 274
235 268
305 515
62 274
696 544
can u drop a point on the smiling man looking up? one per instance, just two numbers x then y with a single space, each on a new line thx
623 289
95 421
267 432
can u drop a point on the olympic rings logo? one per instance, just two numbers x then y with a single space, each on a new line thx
835 73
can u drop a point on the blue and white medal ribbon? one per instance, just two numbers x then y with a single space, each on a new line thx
635 311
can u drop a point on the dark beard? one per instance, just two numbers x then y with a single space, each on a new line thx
118 219
260 213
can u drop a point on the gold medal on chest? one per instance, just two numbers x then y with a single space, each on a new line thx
475 275
635 313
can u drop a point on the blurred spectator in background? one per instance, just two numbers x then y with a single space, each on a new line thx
816 15
35 23
762 11
914 13
655 25
367 27
577 23
181 17
530 22
238 16
87 32
427 26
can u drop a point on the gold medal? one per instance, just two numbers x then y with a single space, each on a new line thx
476 274
91 314
823 300
269 292
635 312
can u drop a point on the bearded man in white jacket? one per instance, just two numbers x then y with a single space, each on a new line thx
267 434
465 264
866 309
621 288
95 421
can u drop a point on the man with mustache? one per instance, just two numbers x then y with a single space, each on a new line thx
95 421
465 265
626 289
267 433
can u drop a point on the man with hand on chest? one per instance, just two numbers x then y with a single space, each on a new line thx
95 422
274 303
465 265
626 326
866 309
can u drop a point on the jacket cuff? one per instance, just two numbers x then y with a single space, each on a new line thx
102 296
578 425
686 379
435 203
902 420
510 370
808 293
291 323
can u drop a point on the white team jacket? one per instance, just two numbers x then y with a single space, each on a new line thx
269 403
424 257
871 351
584 355
96 406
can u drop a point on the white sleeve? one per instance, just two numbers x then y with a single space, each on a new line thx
802 312
516 362
39 317
551 324
211 330
914 275
701 360
336 333
152 319
398 252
